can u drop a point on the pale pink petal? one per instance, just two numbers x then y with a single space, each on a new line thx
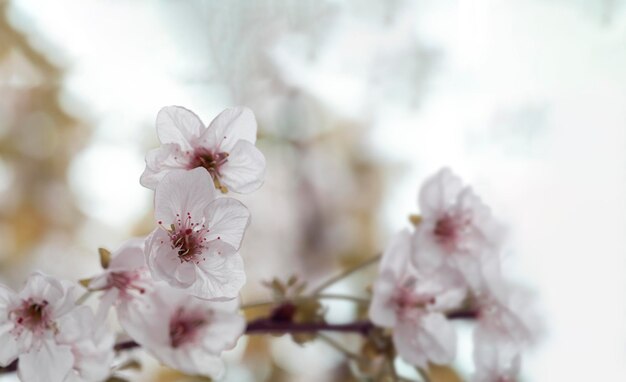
438 338
428 256
160 257
42 286
382 310
129 256
61 295
182 192
50 363
221 274
397 254
137 317
106 302
158 162
439 192
232 125
244 171
227 219
469 267
207 365
99 282
138 321
165 265
431 338
178 125
192 361
408 346
91 344
223 331
8 349
7 297
495 357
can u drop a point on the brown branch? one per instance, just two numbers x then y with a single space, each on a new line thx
273 325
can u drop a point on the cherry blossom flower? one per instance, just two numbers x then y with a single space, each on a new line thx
196 242
225 148
507 324
184 332
91 346
415 306
125 278
38 326
457 231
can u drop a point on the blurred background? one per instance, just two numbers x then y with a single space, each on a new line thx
357 102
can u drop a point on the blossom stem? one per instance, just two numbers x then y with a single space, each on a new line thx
83 298
345 274
331 296
337 346
325 296
392 368
423 374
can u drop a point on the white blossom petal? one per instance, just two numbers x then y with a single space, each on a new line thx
8 350
129 256
193 356
49 363
227 219
183 192
165 264
178 125
224 330
232 125
221 274
159 162
397 254
439 338
90 341
244 171
439 192
381 311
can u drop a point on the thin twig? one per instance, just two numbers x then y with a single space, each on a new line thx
325 296
424 374
337 346
344 274
84 297
332 296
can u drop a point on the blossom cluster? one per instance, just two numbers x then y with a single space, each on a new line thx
449 264
176 291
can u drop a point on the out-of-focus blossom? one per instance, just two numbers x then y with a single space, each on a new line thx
184 332
415 306
225 148
48 332
506 326
496 358
91 345
457 231
195 244
125 278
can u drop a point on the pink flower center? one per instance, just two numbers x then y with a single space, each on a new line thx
126 281
31 315
407 302
449 230
186 326
211 161
188 238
